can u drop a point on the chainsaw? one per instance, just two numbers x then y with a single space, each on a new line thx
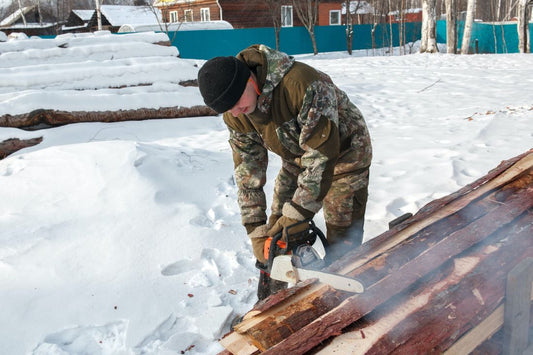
294 259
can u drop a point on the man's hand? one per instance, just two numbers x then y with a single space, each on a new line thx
258 238
290 216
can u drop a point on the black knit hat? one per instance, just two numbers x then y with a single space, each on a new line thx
222 81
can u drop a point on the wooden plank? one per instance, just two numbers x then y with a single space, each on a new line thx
443 306
277 326
359 305
477 335
238 344
515 170
517 304
483 331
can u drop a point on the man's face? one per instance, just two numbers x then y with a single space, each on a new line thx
247 102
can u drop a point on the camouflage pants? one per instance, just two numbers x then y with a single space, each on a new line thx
344 212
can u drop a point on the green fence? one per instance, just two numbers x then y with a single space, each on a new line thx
293 40
486 37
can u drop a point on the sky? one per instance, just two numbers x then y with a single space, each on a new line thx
125 238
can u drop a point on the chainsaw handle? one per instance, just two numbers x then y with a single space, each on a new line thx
275 249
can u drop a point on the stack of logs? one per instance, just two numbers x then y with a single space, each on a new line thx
64 52
435 283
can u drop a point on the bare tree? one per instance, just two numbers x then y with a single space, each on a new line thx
274 8
451 33
467 34
307 11
21 9
98 14
349 26
429 27
522 27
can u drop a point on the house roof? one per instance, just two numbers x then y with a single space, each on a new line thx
15 16
118 15
358 8
84 15
180 26
160 3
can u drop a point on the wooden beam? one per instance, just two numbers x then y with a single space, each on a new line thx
392 238
443 306
517 305
359 305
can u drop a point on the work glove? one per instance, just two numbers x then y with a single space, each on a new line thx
290 215
258 237
272 220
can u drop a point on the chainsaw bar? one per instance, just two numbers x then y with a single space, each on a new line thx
284 270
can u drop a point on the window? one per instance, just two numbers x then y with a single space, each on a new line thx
205 14
188 16
335 17
173 16
286 16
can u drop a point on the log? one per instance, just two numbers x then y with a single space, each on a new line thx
436 313
52 118
357 306
431 266
435 211
10 146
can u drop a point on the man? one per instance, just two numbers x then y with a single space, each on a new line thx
270 101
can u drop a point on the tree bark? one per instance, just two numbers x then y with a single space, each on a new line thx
10 146
441 308
467 34
358 306
451 23
307 12
522 26
51 118
429 27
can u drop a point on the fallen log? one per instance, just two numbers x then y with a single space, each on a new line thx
433 266
52 118
10 146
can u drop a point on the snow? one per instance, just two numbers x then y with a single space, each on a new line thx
86 72
125 238
178 26
118 15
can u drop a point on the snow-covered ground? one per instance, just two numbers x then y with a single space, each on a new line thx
125 238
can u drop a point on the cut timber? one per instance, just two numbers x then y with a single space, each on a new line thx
429 280
58 118
10 146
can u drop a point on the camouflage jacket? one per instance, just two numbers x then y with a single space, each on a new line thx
306 120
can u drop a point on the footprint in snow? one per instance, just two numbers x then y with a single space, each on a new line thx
179 267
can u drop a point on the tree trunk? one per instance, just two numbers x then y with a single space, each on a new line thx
349 27
522 26
51 118
307 12
451 19
98 15
429 27
10 146
467 34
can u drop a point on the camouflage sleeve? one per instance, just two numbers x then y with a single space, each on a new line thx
319 138
284 186
250 159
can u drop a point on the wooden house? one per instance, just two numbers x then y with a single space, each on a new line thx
27 20
246 13
114 16
77 21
